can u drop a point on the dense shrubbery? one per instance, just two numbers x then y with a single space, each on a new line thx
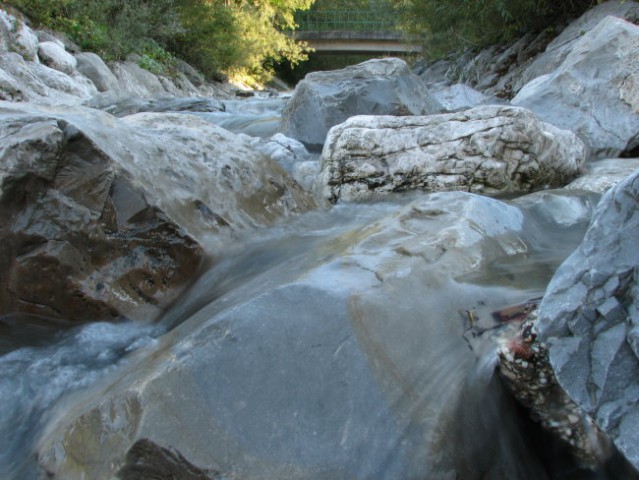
238 37
445 25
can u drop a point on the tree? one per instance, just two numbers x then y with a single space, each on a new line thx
447 25
238 37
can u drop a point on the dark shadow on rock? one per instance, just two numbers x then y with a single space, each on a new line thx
146 460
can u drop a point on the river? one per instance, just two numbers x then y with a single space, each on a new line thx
46 372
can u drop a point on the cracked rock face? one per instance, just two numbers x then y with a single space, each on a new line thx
486 149
590 319
69 249
102 218
595 90
375 87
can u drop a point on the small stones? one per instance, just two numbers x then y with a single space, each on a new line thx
526 372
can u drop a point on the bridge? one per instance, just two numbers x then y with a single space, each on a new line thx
351 32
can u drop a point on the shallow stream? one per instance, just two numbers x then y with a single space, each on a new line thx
44 370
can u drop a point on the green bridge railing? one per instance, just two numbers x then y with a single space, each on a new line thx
344 20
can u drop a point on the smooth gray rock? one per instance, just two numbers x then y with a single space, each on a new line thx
460 97
375 87
486 149
590 316
602 175
595 90
343 361
557 50
53 55
94 68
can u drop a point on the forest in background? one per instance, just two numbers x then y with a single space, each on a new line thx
250 39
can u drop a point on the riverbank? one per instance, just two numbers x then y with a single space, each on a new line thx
189 292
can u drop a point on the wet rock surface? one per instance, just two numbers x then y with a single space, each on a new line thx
120 225
486 149
229 389
375 87
589 319
147 460
69 250
335 345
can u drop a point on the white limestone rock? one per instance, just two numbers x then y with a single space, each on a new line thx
487 149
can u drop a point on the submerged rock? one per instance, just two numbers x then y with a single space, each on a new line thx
485 149
343 361
595 90
103 218
375 87
590 319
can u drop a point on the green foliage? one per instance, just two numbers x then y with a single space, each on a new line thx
447 25
240 37
157 60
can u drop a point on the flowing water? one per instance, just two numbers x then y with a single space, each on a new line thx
41 366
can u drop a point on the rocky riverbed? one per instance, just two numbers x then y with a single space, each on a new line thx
322 285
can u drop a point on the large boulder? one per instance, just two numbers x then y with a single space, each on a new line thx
56 57
344 360
595 90
94 68
105 219
485 149
589 318
559 48
375 87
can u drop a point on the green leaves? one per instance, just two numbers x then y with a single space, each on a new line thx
240 37
444 26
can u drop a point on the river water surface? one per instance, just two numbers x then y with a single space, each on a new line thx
41 367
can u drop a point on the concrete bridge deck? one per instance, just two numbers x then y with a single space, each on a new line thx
342 32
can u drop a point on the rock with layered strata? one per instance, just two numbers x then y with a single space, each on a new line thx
486 149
